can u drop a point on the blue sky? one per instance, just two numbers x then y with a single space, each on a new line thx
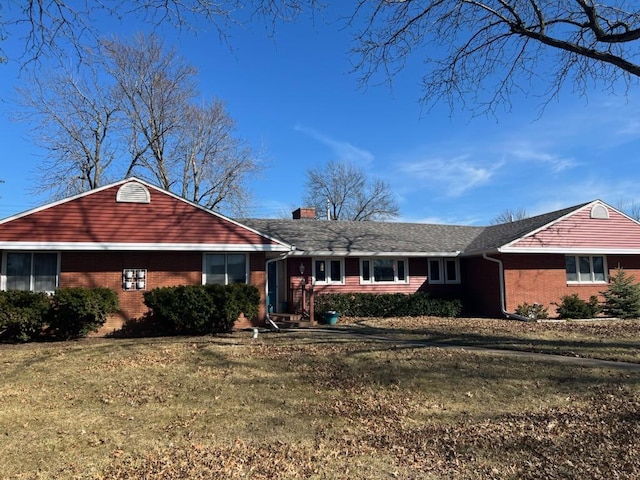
295 98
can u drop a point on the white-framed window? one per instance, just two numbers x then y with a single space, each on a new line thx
444 270
384 270
33 271
586 268
225 268
328 270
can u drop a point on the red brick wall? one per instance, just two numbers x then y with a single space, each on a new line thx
542 279
164 269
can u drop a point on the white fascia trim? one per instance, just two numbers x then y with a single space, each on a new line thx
332 253
573 251
162 247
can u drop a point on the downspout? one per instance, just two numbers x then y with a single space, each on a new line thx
270 321
503 307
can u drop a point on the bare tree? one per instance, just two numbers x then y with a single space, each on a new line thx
502 45
508 215
155 86
215 163
74 118
348 194
140 110
629 207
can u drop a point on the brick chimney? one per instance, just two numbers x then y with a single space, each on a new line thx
304 213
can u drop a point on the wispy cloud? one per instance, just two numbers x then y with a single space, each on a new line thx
454 176
528 153
342 149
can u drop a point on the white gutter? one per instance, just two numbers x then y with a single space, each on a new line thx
503 307
359 253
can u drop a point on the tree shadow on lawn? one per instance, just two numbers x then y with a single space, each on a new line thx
603 349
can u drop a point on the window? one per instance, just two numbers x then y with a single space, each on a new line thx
444 270
37 272
327 271
383 270
585 269
225 269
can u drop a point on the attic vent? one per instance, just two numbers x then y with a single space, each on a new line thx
599 211
133 192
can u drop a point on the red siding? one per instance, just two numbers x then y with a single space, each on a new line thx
98 218
581 231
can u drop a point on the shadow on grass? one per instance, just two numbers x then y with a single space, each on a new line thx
604 349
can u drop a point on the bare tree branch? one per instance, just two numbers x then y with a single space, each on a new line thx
350 195
484 51
74 119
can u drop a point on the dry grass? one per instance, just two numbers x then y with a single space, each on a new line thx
287 406
602 339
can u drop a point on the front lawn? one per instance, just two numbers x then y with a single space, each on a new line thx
310 405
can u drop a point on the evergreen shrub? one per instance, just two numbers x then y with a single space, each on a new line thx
622 298
23 315
76 311
199 309
386 305
534 311
572 306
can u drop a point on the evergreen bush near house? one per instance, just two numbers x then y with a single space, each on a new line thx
622 298
23 315
572 306
182 309
231 301
386 305
199 309
533 311
76 311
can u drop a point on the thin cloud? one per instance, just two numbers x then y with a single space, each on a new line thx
453 176
557 163
343 150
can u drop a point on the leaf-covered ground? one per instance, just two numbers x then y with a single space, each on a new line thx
318 406
603 339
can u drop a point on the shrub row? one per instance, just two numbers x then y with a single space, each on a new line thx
68 313
386 305
198 309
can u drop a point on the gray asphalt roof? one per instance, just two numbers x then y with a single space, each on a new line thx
343 237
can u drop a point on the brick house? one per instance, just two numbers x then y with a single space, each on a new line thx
132 236
492 269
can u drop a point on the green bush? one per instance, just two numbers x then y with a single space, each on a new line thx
622 298
533 311
231 301
76 311
200 309
386 305
23 315
572 306
182 309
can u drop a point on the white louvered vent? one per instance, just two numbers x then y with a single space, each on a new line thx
133 192
599 211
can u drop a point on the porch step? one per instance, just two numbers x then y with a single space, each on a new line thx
291 320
